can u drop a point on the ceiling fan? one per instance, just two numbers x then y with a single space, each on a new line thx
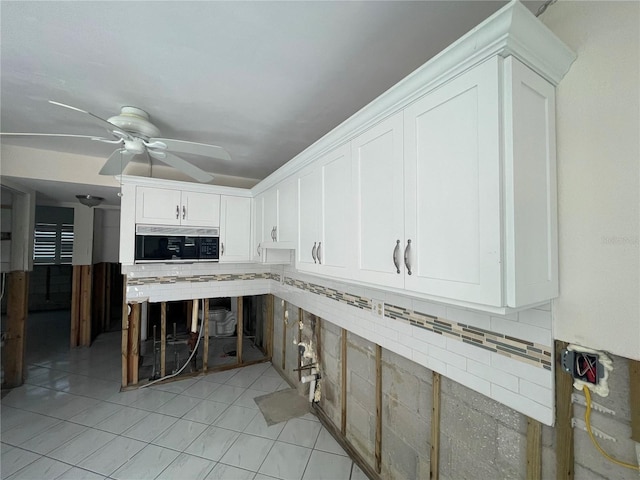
136 135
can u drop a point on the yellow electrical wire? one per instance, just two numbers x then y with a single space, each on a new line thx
587 420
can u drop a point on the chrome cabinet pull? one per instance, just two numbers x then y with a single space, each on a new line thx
184 212
313 253
222 248
274 234
258 250
319 253
396 255
177 212
407 251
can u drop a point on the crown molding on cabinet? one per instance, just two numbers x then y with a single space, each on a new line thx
512 30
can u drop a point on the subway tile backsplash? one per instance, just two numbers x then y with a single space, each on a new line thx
508 358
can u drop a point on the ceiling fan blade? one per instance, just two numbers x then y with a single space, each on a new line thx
66 135
110 126
117 162
192 148
182 165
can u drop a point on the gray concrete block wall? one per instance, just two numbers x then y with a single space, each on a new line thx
361 394
331 370
406 418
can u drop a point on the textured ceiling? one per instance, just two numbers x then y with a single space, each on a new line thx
262 79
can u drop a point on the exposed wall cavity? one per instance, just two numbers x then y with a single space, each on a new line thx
479 437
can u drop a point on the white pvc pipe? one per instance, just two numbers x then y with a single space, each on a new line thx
312 385
194 317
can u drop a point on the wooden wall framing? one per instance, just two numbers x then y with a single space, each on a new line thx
81 293
564 413
15 335
434 464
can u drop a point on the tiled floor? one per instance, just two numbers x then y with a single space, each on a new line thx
70 421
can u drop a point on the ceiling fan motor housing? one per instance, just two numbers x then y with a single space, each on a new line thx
136 122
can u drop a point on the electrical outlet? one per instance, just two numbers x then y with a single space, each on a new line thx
377 308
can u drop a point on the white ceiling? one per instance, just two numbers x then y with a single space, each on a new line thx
263 79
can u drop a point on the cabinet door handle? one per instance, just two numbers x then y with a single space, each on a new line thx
396 256
407 252
222 248
184 212
177 212
258 250
313 253
319 253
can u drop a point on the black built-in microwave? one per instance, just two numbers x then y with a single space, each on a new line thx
156 243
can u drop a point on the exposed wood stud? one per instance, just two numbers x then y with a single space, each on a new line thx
564 413
435 428
163 339
378 447
205 338
107 294
318 342
343 388
125 334
240 327
534 449
634 398
301 321
17 311
284 336
269 334
134 342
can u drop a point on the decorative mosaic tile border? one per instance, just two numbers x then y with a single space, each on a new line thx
515 348
222 277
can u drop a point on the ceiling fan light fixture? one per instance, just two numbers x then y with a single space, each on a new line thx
89 200
135 120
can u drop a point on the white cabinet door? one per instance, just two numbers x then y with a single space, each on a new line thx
309 211
270 215
158 206
163 206
200 209
325 243
256 252
378 188
336 244
235 229
452 189
288 211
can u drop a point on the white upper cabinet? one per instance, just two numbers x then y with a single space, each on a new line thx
378 190
452 189
287 230
324 215
270 215
257 230
235 229
163 206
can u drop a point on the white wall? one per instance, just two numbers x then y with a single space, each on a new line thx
598 176
106 236
5 222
